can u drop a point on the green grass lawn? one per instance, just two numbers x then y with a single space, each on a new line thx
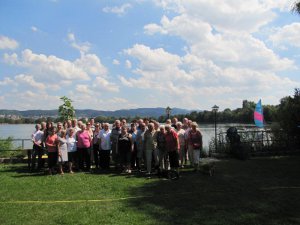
257 191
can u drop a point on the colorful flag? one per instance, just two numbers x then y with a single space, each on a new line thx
258 115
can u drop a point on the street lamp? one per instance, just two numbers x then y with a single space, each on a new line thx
215 109
168 112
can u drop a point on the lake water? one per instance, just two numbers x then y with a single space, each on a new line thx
24 131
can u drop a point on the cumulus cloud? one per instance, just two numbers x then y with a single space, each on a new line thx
128 64
184 80
286 36
47 67
102 84
83 47
91 64
119 10
8 43
116 62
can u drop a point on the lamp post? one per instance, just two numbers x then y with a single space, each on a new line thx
168 112
215 109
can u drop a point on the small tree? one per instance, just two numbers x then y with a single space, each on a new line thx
66 111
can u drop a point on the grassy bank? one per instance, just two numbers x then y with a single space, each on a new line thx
257 191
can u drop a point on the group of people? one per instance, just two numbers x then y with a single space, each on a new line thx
144 144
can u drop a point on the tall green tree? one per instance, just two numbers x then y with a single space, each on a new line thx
288 113
66 110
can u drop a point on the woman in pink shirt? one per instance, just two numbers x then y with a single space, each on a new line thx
51 144
84 141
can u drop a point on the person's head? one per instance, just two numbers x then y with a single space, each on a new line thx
151 126
174 120
80 123
133 126
51 130
194 126
168 128
117 124
105 126
168 121
146 121
143 126
69 122
178 125
71 132
123 122
97 126
63 134
156 125
162 129
92 121
123 130
88 125
37 127
185 121
43 124
74 122
49 124
140 121
82 126
59 126
65 125
190 123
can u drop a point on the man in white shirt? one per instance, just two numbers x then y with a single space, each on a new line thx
37 149
105 146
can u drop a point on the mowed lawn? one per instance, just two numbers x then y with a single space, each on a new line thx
256 191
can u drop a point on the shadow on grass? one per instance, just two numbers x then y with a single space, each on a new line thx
257 191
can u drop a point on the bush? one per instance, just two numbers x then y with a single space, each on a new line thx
7 144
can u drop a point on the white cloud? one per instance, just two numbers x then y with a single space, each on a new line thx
29 80
116 62
47 67
34 29
128 64
8 43
82 47
285 36
102 84
220 32
156 59
184 81
84 89
121 10
91 64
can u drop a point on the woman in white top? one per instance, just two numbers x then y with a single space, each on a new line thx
62 150
72 148
181 138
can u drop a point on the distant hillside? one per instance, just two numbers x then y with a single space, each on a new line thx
140 112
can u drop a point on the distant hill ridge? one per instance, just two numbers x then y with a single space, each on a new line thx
140 112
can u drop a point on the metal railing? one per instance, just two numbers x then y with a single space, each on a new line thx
259 142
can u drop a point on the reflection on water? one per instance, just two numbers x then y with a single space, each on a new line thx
24 131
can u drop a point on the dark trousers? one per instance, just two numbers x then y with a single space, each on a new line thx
96 154
36 151
104 159
52 159
84 158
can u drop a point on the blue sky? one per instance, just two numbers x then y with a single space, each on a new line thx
109 55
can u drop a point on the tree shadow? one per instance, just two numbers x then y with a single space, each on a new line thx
239 193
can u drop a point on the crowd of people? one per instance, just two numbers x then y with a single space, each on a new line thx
144 145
